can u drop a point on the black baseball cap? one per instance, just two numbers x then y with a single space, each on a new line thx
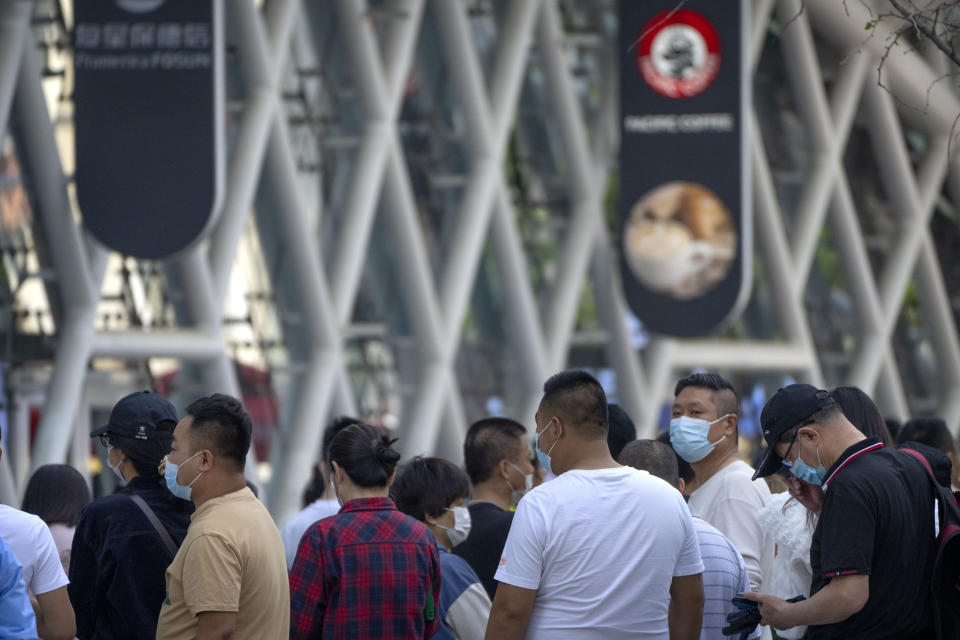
139 416
789 407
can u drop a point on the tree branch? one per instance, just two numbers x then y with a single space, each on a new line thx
924 28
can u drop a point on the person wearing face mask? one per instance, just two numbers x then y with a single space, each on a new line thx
118 557
601 552
229 577
496 455
873 547
325 504
703 432
432 490
370 571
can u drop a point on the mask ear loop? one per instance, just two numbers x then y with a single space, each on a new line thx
724 436
555 441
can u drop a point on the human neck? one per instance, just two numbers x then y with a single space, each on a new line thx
831 451
441 535
355 492
129 472
591 454
713 463
216 486
488 491
328 492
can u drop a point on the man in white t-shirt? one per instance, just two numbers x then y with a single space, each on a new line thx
703 432
601 552
31 542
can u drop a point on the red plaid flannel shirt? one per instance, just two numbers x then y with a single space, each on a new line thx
367 572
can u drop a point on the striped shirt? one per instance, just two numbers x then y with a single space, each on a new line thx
724 576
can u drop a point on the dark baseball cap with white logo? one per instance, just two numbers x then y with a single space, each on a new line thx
789 407
143 415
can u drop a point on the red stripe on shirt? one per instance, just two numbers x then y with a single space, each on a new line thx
872 447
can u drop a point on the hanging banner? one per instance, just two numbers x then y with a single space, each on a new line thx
149 121
685 216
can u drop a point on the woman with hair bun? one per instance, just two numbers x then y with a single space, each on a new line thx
369 571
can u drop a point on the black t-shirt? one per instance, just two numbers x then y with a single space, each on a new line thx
877 520
489 526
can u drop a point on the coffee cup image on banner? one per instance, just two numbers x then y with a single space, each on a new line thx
680 240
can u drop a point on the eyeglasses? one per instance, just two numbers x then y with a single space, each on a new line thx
104 439
784 460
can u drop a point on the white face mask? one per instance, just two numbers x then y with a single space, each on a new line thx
461 525
516 494
115 469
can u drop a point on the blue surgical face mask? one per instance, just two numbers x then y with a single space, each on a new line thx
544 458
689 437
115 469
170 472
802 471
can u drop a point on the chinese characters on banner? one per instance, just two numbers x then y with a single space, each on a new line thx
149 121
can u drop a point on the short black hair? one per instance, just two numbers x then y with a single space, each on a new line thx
489 441
932 432
654 457
365 454
861 411
221 424
620 429
428 486
725 402
56 493
335 426
315 488
893 426
683 467
576 396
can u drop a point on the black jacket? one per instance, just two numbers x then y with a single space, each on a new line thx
118 561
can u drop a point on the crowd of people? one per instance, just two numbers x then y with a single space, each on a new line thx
571 529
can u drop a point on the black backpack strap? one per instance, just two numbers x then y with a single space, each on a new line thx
155 521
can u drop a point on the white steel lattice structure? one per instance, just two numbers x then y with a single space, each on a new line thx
367 214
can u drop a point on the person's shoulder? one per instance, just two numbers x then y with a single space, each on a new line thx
313 512
15 520
708 532
451 562
323 526
108 505
456 571
871 470
410 528
739 472
736 481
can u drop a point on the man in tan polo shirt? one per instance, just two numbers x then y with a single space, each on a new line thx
229 578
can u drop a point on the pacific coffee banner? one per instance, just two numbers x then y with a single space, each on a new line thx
685 222
149 121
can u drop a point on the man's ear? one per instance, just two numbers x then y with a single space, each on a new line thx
810 434
731 427
561 428
206 460
681 485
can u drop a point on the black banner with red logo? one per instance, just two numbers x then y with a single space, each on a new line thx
684 163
